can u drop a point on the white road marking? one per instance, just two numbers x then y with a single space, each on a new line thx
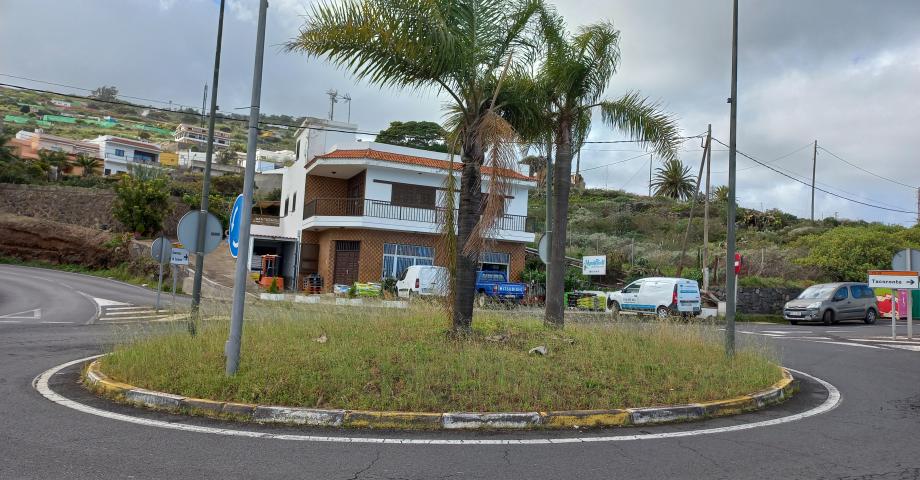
10 321
851 344
139 311
912 348
34 314
41 384
102 302
889 341
57 322
783 332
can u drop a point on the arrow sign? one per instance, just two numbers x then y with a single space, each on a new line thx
233 236
893 279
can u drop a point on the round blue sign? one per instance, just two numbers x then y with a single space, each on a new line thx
233 238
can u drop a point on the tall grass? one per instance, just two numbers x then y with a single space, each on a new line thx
383 359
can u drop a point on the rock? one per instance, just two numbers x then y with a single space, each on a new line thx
497 338
321 339
541 350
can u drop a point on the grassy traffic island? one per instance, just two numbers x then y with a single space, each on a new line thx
403 360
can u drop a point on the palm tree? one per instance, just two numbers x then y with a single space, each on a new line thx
720 194
87 163
570 85
462 49
674 180
54 161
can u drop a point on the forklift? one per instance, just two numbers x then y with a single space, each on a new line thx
271 272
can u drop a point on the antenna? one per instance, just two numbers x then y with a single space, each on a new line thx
333 99
347 99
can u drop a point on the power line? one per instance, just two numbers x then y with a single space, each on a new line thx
912 187
614 163
640 169
771 161
164 102
880 207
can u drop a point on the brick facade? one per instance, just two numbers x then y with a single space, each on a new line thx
326 187
371 251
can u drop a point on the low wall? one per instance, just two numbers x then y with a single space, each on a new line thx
761 300
86 207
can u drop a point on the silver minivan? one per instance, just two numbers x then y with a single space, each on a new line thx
832 303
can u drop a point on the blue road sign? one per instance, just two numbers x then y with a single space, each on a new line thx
233 239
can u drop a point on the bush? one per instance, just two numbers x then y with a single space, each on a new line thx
847 253
142 200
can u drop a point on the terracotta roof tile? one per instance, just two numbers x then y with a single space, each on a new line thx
412 160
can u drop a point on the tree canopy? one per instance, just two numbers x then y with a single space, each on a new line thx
424 135
105 93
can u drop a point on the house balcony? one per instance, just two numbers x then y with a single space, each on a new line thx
324 213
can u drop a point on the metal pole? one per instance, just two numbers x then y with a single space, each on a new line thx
650 174
696 190
160 261
242 260
730 244
206 181
175 273
706 210
814 169
910 302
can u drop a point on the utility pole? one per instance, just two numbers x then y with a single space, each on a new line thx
204 102
814 169
706 210
730 244
232 349
918 206
650 174
696 190
206 180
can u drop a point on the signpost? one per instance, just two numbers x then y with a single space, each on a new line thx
161 254
594 265
188 232
909 260
233 236
179 256
897 280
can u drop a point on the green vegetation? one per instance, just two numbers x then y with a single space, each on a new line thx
423 135
322 356
674 180
142 200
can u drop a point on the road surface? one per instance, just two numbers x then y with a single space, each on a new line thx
873 433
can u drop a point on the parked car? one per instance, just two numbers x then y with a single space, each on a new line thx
832 303
661 296
422 280
493 285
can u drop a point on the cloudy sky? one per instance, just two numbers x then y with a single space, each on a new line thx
844 72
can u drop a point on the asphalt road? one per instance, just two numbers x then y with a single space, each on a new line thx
874 433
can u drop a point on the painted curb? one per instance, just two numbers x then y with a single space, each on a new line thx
777 393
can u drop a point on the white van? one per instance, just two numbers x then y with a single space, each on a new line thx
425 280
662 296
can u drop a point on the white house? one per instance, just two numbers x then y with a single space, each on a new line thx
362 211
118 153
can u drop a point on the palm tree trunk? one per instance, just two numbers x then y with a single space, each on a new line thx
467 261
562 182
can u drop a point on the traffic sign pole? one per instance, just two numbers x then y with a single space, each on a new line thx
910 301
160 261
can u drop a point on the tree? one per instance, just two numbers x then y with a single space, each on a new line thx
53 162
226 156
105 93
142 200
559 102
423 135
847 253
462 48
720 194
674 180
87 163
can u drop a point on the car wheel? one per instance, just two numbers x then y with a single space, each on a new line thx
663 312
613 306
793 322
870 316
412 296
828 317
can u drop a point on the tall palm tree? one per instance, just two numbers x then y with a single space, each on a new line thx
674 180
87 163
720 194
461 48
570 83
55 162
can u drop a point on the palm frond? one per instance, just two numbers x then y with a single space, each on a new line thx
644 121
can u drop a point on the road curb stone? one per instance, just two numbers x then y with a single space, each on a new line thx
777 393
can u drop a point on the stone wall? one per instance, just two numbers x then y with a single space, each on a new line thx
761 300
86 207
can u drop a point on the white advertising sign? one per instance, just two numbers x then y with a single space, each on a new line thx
894 279
594 265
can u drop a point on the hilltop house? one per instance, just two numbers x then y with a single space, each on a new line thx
117 153
362 211
26 145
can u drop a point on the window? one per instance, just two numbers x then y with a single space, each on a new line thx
397 258
107 172
841 294
632 288
419 196
119 152
285 207
294 203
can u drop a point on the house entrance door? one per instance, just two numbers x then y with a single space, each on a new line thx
345 270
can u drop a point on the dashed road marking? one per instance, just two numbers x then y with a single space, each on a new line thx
126 313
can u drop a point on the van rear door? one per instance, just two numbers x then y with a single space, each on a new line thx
688 296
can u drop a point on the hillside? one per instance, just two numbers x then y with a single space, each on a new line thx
642 235
83 119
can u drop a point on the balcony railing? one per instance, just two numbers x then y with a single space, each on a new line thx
267 220
356 207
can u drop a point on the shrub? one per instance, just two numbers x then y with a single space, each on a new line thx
142 200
